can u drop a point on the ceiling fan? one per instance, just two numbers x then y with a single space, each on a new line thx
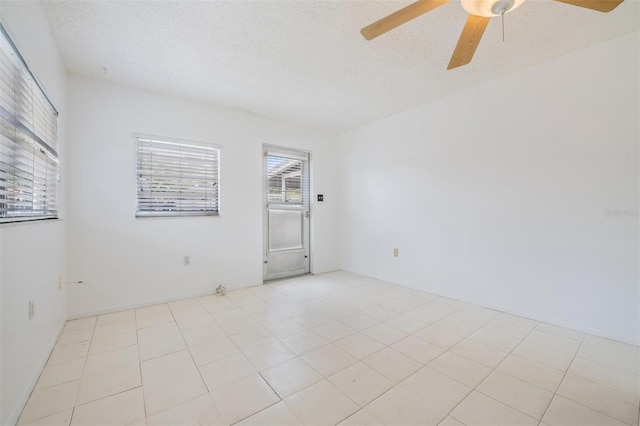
480 12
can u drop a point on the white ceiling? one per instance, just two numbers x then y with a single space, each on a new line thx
305 61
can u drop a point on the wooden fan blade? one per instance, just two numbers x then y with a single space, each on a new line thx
400 17
599 5
469 40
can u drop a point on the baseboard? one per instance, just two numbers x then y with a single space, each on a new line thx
31 384
145 303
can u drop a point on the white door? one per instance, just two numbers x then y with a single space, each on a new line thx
286 214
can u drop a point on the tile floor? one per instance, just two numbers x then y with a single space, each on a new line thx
331 349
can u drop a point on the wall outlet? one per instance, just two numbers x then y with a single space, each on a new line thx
187 261
32 309
395 252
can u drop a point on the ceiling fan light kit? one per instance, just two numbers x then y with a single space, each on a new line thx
480 12
490 8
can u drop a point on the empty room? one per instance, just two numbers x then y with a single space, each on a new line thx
320 212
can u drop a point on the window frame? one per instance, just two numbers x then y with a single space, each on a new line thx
147 213
49 148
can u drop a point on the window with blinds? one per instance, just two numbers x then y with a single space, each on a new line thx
287 179
28 141
176 177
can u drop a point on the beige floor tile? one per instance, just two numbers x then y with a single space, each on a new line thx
475 315
253 338
186 308
612 354
215 304
170 380
359 345
531 372
607 401
406 323
62 418
75 336
385 334
392 364
107 383
563 412
438 336
333 330
440 390
479 352
120 409
459 368
114 328
115 341
153 315
115 317
68 352
50 401
285 328
404 304
560 331
361 418
450 421
495 339
195 322
479 409
381 314
203 335
158 340
268 355
511 325
461 328
431 312
359 321
291 376
277 414
321 404
329 359
81 323
238 325
226 371
58 374
304 342
197 412
544 355
213 351
401 407
517 394
418 349
110 360
243 398
312 319
354 333
607 376
553 341
361 383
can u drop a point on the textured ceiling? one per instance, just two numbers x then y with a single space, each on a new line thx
305 61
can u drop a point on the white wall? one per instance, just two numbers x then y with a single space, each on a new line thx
497 195
33 254
126 261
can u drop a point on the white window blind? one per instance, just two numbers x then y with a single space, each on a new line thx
28 141
176 177
287 179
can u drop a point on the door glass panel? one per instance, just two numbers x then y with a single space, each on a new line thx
285 229
285 179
